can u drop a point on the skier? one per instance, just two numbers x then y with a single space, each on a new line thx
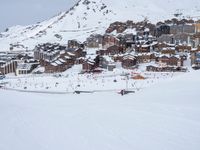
122 92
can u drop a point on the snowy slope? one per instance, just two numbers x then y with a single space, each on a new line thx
165 116
84 19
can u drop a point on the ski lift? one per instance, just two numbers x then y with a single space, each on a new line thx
126 91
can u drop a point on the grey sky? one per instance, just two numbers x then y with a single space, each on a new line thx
24 12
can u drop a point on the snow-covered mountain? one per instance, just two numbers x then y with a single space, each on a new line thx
93 16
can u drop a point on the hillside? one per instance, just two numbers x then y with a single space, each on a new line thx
89 16
165 116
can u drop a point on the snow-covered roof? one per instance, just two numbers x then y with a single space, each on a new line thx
130 31
67 57
168 48
169 56
146 30
58 62
2 61
54 64
129 57
145 45
143 54
71 54
61 60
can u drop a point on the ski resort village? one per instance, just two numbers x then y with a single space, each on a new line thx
104 75
134 51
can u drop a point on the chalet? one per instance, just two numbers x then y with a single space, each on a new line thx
88 65
127 39
79 53
70 54
47 51
168 50
47 55
118 57
160 46
183 48
62 62
118 26
94 41
170 60
175 61
145 48
112 50
55 67
145 57
67 59
164 59
109 40
129 61
75 44
152 68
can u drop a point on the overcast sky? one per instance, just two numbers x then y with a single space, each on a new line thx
24 12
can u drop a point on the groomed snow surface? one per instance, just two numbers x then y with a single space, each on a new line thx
165 116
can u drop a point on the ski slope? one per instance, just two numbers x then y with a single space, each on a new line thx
84 19
164 116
